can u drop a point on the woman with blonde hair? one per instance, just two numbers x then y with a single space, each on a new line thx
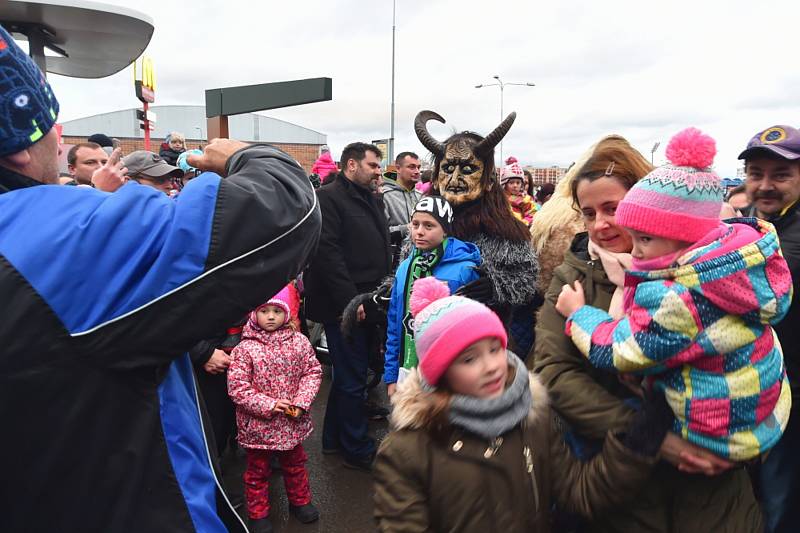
557 222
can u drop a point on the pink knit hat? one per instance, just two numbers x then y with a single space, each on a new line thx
444 326
284 299
681 200
512 170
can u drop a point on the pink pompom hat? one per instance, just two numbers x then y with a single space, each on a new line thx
444 326
284 300
681 200
512 170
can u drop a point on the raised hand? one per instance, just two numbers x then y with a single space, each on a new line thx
215 155
112 175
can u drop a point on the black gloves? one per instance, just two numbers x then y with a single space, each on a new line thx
396 237
649 426
373 311
480 290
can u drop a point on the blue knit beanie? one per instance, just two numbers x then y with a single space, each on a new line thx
28 108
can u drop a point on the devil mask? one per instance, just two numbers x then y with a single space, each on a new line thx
464 163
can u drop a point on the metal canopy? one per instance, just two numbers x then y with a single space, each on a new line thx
97 40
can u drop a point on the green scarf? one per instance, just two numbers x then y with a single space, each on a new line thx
422 265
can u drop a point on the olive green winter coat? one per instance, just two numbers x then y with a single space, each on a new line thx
592 403
463 483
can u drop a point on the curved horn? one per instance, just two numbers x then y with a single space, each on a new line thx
492 140
421 128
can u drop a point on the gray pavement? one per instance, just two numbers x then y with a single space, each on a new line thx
343 496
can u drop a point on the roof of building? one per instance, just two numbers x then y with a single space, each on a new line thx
191 121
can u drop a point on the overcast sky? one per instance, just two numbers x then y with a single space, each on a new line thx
640 69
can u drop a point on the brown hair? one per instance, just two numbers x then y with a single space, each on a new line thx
612 157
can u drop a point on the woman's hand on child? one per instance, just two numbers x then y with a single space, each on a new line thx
571 299
692 459
218 362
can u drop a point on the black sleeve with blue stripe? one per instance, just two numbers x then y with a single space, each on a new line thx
137 278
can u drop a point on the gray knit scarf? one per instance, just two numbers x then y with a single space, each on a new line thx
496 416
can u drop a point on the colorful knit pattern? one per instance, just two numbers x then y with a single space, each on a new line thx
703 331
28 108
523 208
678 201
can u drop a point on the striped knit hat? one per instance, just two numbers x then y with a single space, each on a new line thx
511 170
444 326
681 200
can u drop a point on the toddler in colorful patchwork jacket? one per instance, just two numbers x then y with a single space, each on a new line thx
699 306
273 380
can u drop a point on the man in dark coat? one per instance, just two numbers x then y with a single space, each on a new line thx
352 258
772 165
103 294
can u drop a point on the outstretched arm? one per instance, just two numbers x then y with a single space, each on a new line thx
657 333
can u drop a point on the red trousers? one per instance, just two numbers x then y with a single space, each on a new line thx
256 479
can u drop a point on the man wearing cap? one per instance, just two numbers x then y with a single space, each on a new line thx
400 197
150 169
103 294
772 166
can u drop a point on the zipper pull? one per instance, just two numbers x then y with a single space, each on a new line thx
526 451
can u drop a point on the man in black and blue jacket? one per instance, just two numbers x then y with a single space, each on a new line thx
102 296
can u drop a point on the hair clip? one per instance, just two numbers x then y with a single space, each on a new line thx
610 169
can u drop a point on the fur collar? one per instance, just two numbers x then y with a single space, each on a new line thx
412 404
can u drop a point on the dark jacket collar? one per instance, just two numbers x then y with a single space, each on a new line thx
354 188
777 220
11 181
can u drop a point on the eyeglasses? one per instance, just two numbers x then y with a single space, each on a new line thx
177 183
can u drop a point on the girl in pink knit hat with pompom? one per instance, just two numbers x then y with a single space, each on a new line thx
273 380
699 306
475 446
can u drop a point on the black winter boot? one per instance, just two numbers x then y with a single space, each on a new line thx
304 513
262 525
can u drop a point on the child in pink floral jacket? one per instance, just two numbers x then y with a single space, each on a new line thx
273 379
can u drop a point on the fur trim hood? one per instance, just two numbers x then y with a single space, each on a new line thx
412 404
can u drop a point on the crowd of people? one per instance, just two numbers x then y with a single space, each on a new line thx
616 352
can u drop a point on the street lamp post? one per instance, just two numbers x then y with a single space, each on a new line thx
653 151
500 83
390 159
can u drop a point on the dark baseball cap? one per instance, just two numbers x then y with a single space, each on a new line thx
149 164
783 141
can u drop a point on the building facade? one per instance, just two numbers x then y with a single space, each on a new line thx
542 175
301 143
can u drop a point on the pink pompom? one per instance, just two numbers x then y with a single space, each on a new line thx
691 148
511 160
425 292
